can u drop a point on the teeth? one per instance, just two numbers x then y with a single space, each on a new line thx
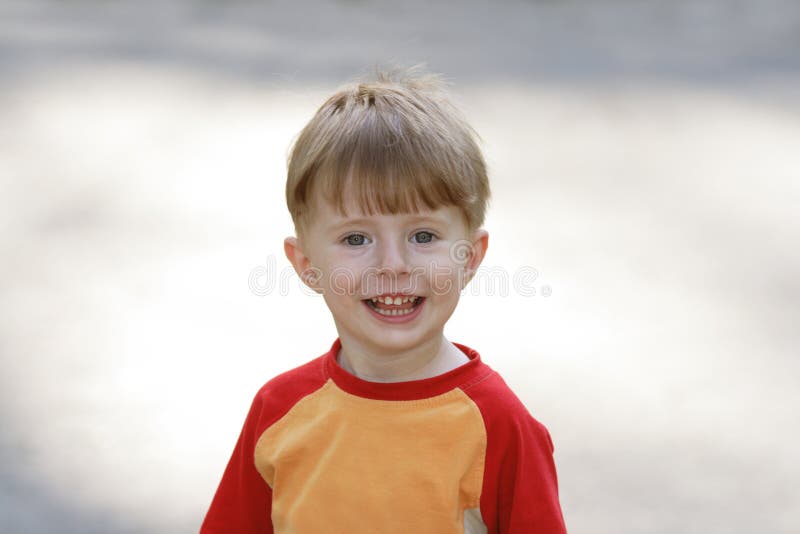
394 301
393 312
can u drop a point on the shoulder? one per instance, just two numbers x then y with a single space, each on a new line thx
503 412
275 398
295 383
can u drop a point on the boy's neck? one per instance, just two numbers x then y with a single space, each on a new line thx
433 358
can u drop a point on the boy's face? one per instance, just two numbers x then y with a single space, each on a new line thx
391 282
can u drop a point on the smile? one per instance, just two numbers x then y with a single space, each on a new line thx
394 305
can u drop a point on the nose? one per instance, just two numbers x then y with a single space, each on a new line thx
393 258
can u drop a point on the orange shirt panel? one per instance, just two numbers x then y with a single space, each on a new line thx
334 452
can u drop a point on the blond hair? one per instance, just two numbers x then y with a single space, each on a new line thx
392 145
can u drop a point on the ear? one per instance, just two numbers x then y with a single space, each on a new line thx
479 243
309 274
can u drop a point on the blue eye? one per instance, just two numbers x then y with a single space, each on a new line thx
355 240
423 237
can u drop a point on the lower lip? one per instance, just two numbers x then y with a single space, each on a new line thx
397 319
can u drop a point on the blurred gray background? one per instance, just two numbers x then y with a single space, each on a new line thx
645 161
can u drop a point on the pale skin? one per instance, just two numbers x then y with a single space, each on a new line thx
353 260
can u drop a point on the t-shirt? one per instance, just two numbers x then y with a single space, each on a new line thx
323 451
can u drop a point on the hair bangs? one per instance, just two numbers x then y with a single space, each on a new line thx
378 170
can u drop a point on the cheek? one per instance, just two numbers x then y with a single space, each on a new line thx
345 278
342 281
445 275
444 279
451 253
443 284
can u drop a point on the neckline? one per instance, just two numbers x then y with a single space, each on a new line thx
462 376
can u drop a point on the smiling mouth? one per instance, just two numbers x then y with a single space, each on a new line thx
394 305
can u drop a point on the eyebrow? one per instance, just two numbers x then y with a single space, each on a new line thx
428 218
349 222
414 219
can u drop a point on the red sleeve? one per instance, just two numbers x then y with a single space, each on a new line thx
520 488
243 501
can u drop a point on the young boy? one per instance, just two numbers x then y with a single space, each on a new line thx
395 429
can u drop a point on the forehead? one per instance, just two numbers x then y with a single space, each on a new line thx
348 200
325 212
351 209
